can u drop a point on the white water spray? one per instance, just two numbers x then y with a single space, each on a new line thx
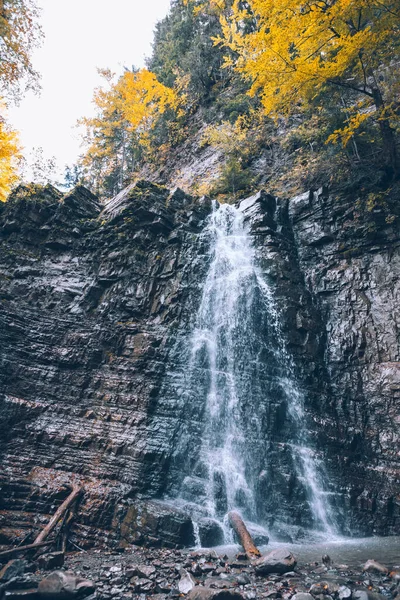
224 340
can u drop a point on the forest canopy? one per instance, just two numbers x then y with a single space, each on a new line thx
297 51
328 69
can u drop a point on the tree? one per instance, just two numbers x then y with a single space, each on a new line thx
73 175
183 45
299 49
9 157
127 112
20 33
42 170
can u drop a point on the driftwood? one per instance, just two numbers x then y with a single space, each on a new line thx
245 538
17 549
69 517
44 534
74 495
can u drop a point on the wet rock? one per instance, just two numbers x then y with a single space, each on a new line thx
92 306
14 568
186 582
203 593
145 571
344 593
259 535
53 560
210 532
62 585
324 587
24 594
302 596
326 559
142 584
276 561
221 583
372 566
367 595
243 579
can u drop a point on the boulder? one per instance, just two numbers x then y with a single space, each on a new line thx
211 533
157 524
14 568
145 570
276 561
372 566
186 582
62 585
51 561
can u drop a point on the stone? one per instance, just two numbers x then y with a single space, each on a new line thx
14 568
221 583
344 592
372 566
324 587
51 561
97 300
302 596
142 584
367 595
276 561
210 533
62 585
145 571
186 582
203 593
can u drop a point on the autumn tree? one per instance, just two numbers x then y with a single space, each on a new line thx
127 111
9 157
20 33
298 50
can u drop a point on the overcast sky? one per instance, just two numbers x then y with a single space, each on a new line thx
80 35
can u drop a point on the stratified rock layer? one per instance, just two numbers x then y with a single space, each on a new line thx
96 303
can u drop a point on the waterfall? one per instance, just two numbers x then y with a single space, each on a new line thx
238 366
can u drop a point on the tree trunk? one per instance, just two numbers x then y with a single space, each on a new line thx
74 495
390 152
245 538
19 549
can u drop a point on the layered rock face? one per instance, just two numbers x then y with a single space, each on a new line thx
97 303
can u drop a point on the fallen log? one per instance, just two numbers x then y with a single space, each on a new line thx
237 524
17 549
58 515
74 495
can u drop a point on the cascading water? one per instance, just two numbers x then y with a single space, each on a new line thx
238 364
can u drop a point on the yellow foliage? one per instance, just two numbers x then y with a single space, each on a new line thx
345 134
127 111
9 157
216 7
19 35
299 47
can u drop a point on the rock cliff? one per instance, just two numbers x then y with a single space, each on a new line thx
97 302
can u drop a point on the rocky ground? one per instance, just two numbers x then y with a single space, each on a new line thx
158 574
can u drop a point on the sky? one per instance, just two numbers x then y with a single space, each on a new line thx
80 35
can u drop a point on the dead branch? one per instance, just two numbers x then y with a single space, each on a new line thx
245 538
